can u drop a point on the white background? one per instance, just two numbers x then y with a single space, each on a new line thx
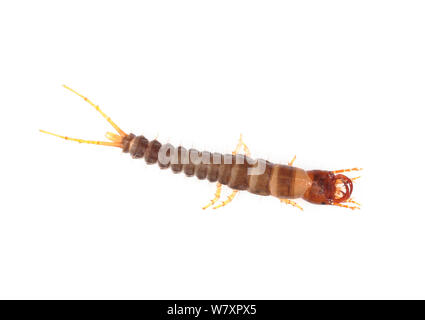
338 83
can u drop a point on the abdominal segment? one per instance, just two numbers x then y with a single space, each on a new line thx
238 172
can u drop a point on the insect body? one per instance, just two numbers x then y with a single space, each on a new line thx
239 172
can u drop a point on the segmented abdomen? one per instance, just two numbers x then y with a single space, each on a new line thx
231 170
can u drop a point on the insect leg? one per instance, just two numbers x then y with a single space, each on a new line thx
292 203
287 201
216 196
229 199
290 163
240 145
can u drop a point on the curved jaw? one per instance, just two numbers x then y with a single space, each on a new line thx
343 189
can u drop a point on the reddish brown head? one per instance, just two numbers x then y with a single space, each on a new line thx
328 187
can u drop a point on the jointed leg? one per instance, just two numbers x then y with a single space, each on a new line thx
216 196
287 201
229 199
240 145
292 203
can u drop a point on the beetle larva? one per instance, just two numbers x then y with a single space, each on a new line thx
237 171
